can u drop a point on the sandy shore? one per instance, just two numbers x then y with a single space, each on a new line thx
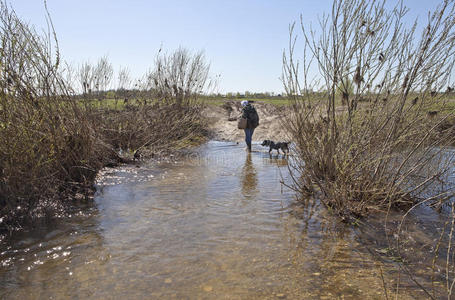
270 125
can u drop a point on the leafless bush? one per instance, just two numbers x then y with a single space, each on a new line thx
53 143
381 138
47 143
95 78
103 74
181 76
148 129
85 76
124 79
376 151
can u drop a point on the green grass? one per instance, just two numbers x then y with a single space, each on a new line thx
445 105
119 104
277 102
111 103
114 104
221 101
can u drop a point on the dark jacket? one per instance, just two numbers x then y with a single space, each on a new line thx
250 113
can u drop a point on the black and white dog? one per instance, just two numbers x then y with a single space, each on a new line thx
284 146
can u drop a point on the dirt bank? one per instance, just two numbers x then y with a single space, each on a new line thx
223 126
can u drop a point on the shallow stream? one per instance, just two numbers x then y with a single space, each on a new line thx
215 224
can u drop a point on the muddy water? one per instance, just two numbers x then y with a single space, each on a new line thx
215 224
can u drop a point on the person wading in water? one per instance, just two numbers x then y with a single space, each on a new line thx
249 113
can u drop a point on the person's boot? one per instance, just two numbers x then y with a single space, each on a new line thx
249 147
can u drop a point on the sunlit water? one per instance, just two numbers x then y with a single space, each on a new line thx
215 224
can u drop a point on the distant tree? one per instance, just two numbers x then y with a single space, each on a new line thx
95 78
179 76
124 79
103 73
85 76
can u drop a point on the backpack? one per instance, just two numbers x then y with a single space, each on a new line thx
253 117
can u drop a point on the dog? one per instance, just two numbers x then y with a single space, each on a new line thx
284 146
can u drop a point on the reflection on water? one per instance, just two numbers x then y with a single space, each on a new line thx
249 178
215 224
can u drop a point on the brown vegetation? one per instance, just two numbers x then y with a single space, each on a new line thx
389 147
53 143
382 150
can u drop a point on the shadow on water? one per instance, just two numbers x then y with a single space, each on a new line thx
216 223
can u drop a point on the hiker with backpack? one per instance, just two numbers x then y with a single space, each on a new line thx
252 117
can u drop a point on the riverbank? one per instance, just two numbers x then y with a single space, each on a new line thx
222 122
50 165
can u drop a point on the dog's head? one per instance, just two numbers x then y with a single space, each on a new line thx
266 143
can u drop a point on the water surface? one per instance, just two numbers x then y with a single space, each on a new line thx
214 224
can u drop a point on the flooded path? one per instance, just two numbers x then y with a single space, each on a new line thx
216 224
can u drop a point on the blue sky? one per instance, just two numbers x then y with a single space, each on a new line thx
242 39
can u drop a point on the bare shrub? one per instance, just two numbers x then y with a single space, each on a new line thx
103 74
95 78
53 141
124 79
167 113
381 149
390 144
149 129
47 143
180 76
85 76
